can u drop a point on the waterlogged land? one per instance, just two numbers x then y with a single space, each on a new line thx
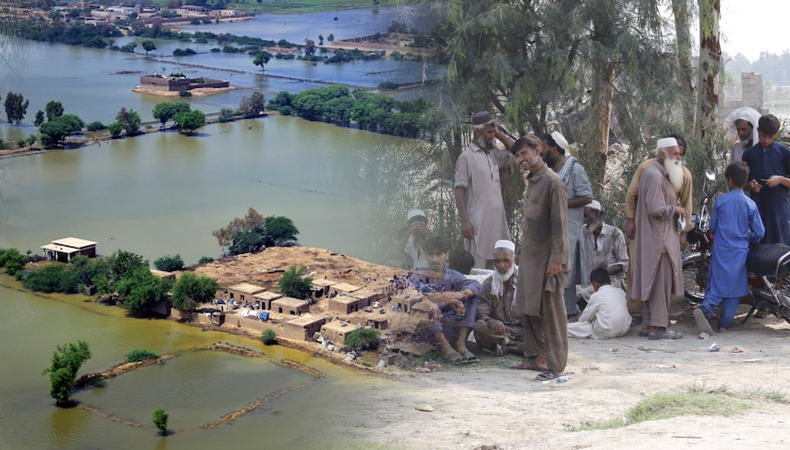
310 6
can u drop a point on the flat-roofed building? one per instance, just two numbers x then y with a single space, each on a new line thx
336 331
290 306
67 248
378 323
343 304
244 292
266 298
343 289
321 287
303 328
365 297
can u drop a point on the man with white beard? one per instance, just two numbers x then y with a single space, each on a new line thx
659 220
499 328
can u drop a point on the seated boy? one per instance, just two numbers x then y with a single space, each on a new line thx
606 314
735 223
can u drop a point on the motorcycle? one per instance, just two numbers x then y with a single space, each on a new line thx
767 265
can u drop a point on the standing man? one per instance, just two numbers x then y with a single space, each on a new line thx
542 265
499 328
769 169
604 248
478 194
744 121
657 267
579 193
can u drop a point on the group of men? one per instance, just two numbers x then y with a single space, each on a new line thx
568 256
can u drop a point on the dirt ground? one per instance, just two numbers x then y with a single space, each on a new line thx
490 404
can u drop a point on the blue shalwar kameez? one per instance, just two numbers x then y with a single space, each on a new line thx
772 202
735 224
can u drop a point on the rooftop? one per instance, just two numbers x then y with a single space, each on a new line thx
363 293
339 325
290 301
305 320
342 299
247 288
345 287
323 283
73 242
267 295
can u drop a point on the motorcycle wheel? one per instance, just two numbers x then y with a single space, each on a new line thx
695 278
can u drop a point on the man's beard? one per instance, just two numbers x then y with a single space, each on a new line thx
505 276
747 143
485 144
675 170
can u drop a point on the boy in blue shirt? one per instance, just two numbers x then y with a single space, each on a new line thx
735 224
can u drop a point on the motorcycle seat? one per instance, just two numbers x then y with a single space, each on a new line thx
763 258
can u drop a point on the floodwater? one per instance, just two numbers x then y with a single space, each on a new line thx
195 388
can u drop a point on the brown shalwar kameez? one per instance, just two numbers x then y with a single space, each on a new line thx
539 298
657 268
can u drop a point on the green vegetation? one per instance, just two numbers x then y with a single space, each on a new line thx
68 278
129 120
252 106
372 112
12 261
190 290
148 46
190 121
205 259
15 107
310 6
159 418
363 339
140 354
54 109
115 129
95 126
55 131
268 337
141 289
697 401
252 233
167 110
97 36
169 263
66 362
293 284
261 59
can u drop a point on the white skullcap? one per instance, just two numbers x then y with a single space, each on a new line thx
595 204
666 142
504 243
560 140
415 213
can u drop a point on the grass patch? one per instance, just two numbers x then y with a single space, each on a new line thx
698 400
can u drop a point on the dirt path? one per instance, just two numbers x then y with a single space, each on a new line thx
492 405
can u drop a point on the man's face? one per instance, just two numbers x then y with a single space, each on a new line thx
670 152
527 157
549 154
765 140
436 261
744 130
592 218
503 260
419 227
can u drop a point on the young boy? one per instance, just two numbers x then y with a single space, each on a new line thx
606 314
735 224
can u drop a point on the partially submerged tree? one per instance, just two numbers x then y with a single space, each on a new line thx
167 110
54 109
54 132
169 263
15 107
130 120
66 362
148 46
261 59
159 418
190 121
253 105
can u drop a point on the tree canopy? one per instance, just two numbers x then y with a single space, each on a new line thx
129 120
66 362
293 284
252 233
190 121
191 289
167 110
15 107
55 131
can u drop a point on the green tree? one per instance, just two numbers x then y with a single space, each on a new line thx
331 37
167 110
169 263
148 46
55 131
363 339
278 230
95 126
40 118
141 289
140 354
320 39
159 418
54 109
253 105
190 290
66 362
190 121
293 284
268 337
251 222
123 264
261 59
12 260
225 115
15 107
130 120
115 129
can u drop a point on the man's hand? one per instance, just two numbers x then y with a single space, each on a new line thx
680 211
554 269
496 326
774 181
755 186
630 229
457 306
467 229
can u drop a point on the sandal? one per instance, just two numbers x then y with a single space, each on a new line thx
529 364
455 358
643 332
665 334
469 357
547 375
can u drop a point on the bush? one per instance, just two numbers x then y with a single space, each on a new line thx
169 263
292 284
159 418
52 278
140 354
388 85
205 259
115 129
184 94
225 115
66 362
365 338
268 337
191 289
95 126
21 142
13 261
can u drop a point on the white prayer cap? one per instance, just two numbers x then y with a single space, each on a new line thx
504 243
415 214
595 204
560 140
748 114
666 143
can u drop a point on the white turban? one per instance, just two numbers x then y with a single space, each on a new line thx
595 204
748 114
415 213
503 243
560 140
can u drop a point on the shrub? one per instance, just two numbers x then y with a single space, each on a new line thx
140 354
184 94
205 259
52 278
169 263
388 85
159 418
12 260
21 142
225 115
95 126
365 338
191 290
115 129
293 284
268 337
